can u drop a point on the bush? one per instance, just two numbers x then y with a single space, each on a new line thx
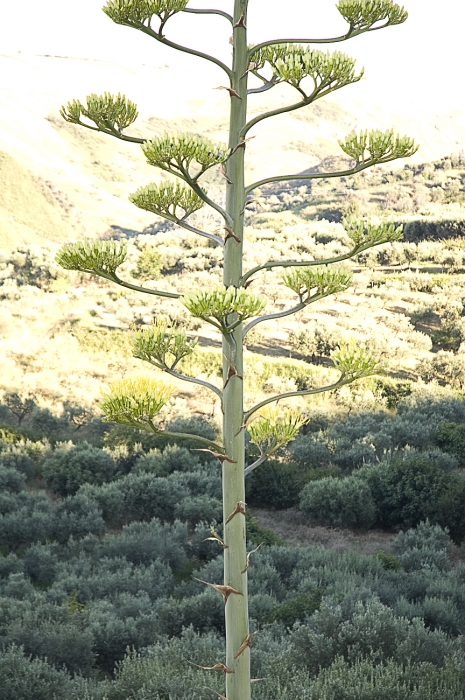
451 438
24 678
161 463
76 516
199 509
11 480
15 458
407 491
275 485
136 497
338 502
66 470
425 546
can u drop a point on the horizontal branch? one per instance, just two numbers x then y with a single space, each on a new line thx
335 40
194 380
312 176
163 40
305 392
272 317
112 132
136 288
210 12
188 436
274 112
211 236
299 263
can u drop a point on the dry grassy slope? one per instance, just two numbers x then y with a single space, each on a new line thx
91 175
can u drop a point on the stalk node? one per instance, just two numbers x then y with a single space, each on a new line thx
224 590
232 92
238 509
246 643
241 23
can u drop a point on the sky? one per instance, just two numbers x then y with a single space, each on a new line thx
418 65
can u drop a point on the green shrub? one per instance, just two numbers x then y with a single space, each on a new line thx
76 516
407 491
199 509
161 463
338 502
275 484
15 458
136 497
68 469
24 678
389 561
451 438
11 480
294 609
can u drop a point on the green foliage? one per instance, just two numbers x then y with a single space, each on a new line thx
366 234
98 257
363 14
273 428
109 113
76 516
169 200
136 497
203 508
428 229
407 491
423 547
216 305
68 469
292 63
162 346
275 485
295 609
24 678
388 561
148 265
317 282
19 407
137 12
338 502
370 147
134 401
356 362
176 154
451 438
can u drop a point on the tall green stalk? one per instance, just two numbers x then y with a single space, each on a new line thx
186 157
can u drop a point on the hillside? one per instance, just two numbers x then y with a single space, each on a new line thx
63 182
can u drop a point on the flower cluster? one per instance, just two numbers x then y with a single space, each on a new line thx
98 257
109 113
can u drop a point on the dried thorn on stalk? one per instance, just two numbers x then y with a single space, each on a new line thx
224 590
248 557
241 144
241 23
223 172
216 667
222 458
246 643
232 372
232 92
238 509
231 234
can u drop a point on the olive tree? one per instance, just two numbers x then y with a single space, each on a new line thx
232 309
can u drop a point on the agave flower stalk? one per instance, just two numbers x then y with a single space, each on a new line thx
232 309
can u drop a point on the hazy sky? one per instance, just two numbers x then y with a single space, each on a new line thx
418 64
